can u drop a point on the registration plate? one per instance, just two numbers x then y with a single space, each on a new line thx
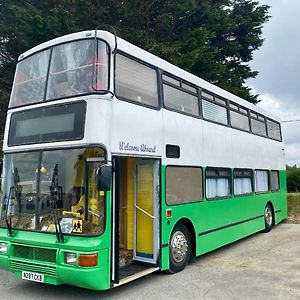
32 276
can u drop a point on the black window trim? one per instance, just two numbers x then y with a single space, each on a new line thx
261 192
45 107
228 197
185 203
212 121
163 82
243 176
241 129
91 145
278 190
48 70
269 119
264 122
142 62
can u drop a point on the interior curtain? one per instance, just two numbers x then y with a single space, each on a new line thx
217 187
242 186
261 181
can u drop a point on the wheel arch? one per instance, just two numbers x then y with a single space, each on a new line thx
188 223
273 211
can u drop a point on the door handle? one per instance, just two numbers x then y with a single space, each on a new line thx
145 212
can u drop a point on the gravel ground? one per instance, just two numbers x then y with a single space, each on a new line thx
263 266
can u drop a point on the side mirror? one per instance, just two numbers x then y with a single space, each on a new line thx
104 177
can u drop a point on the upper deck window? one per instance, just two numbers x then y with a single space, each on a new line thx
69 69
136 81
30 79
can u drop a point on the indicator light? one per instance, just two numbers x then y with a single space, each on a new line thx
88 260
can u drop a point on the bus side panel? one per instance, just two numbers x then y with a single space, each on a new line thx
221 221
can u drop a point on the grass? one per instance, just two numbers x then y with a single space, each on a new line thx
293 208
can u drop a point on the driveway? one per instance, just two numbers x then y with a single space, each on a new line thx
263 266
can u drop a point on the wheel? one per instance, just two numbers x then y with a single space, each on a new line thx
180 248
268 218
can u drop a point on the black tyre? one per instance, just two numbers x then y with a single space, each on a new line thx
269 218
180 248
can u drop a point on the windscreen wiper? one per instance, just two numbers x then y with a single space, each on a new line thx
56 196
12 191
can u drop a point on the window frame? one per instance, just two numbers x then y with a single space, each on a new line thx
99 92
257 118
280 132
238 110
216 103
243 176
142 62
261 192
278 177
230 182
180 88
78 118
186 167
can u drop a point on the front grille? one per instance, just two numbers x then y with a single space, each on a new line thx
40 254
24 266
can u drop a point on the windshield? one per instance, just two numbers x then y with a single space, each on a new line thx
29 180
65 70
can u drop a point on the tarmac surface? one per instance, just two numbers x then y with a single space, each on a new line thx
262 266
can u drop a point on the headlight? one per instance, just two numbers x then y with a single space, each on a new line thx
3 248
71 258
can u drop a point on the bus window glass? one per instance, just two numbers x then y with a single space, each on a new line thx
30 80
214 112
274 181
261 181
71 69
242 181
258 127
273 130
180 100
189 88
183 185
47 124
135 81
31 179
217 183
219 100
207 95
239 121
170 80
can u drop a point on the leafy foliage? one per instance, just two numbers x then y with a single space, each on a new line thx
293 179
212 39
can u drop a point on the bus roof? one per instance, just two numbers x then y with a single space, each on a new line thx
152 59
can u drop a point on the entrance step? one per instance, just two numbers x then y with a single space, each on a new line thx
132 269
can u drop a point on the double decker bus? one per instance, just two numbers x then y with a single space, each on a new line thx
118 164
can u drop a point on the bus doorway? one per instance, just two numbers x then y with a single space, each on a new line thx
136 217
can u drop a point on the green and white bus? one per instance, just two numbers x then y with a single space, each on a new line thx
118 164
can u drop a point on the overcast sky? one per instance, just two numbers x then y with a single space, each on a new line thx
278 63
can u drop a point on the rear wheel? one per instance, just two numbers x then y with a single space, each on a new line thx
269 218
180 248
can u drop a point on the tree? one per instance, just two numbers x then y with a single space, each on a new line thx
293 179
212 39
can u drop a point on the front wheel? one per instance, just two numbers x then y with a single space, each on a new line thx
268 218
180 248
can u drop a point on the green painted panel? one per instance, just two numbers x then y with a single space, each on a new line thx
218 214
40 252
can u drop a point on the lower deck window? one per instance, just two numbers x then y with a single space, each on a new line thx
217 183
183 185
242 181
261 181
274 180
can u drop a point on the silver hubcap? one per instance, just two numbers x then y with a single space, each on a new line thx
268 216
179 246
